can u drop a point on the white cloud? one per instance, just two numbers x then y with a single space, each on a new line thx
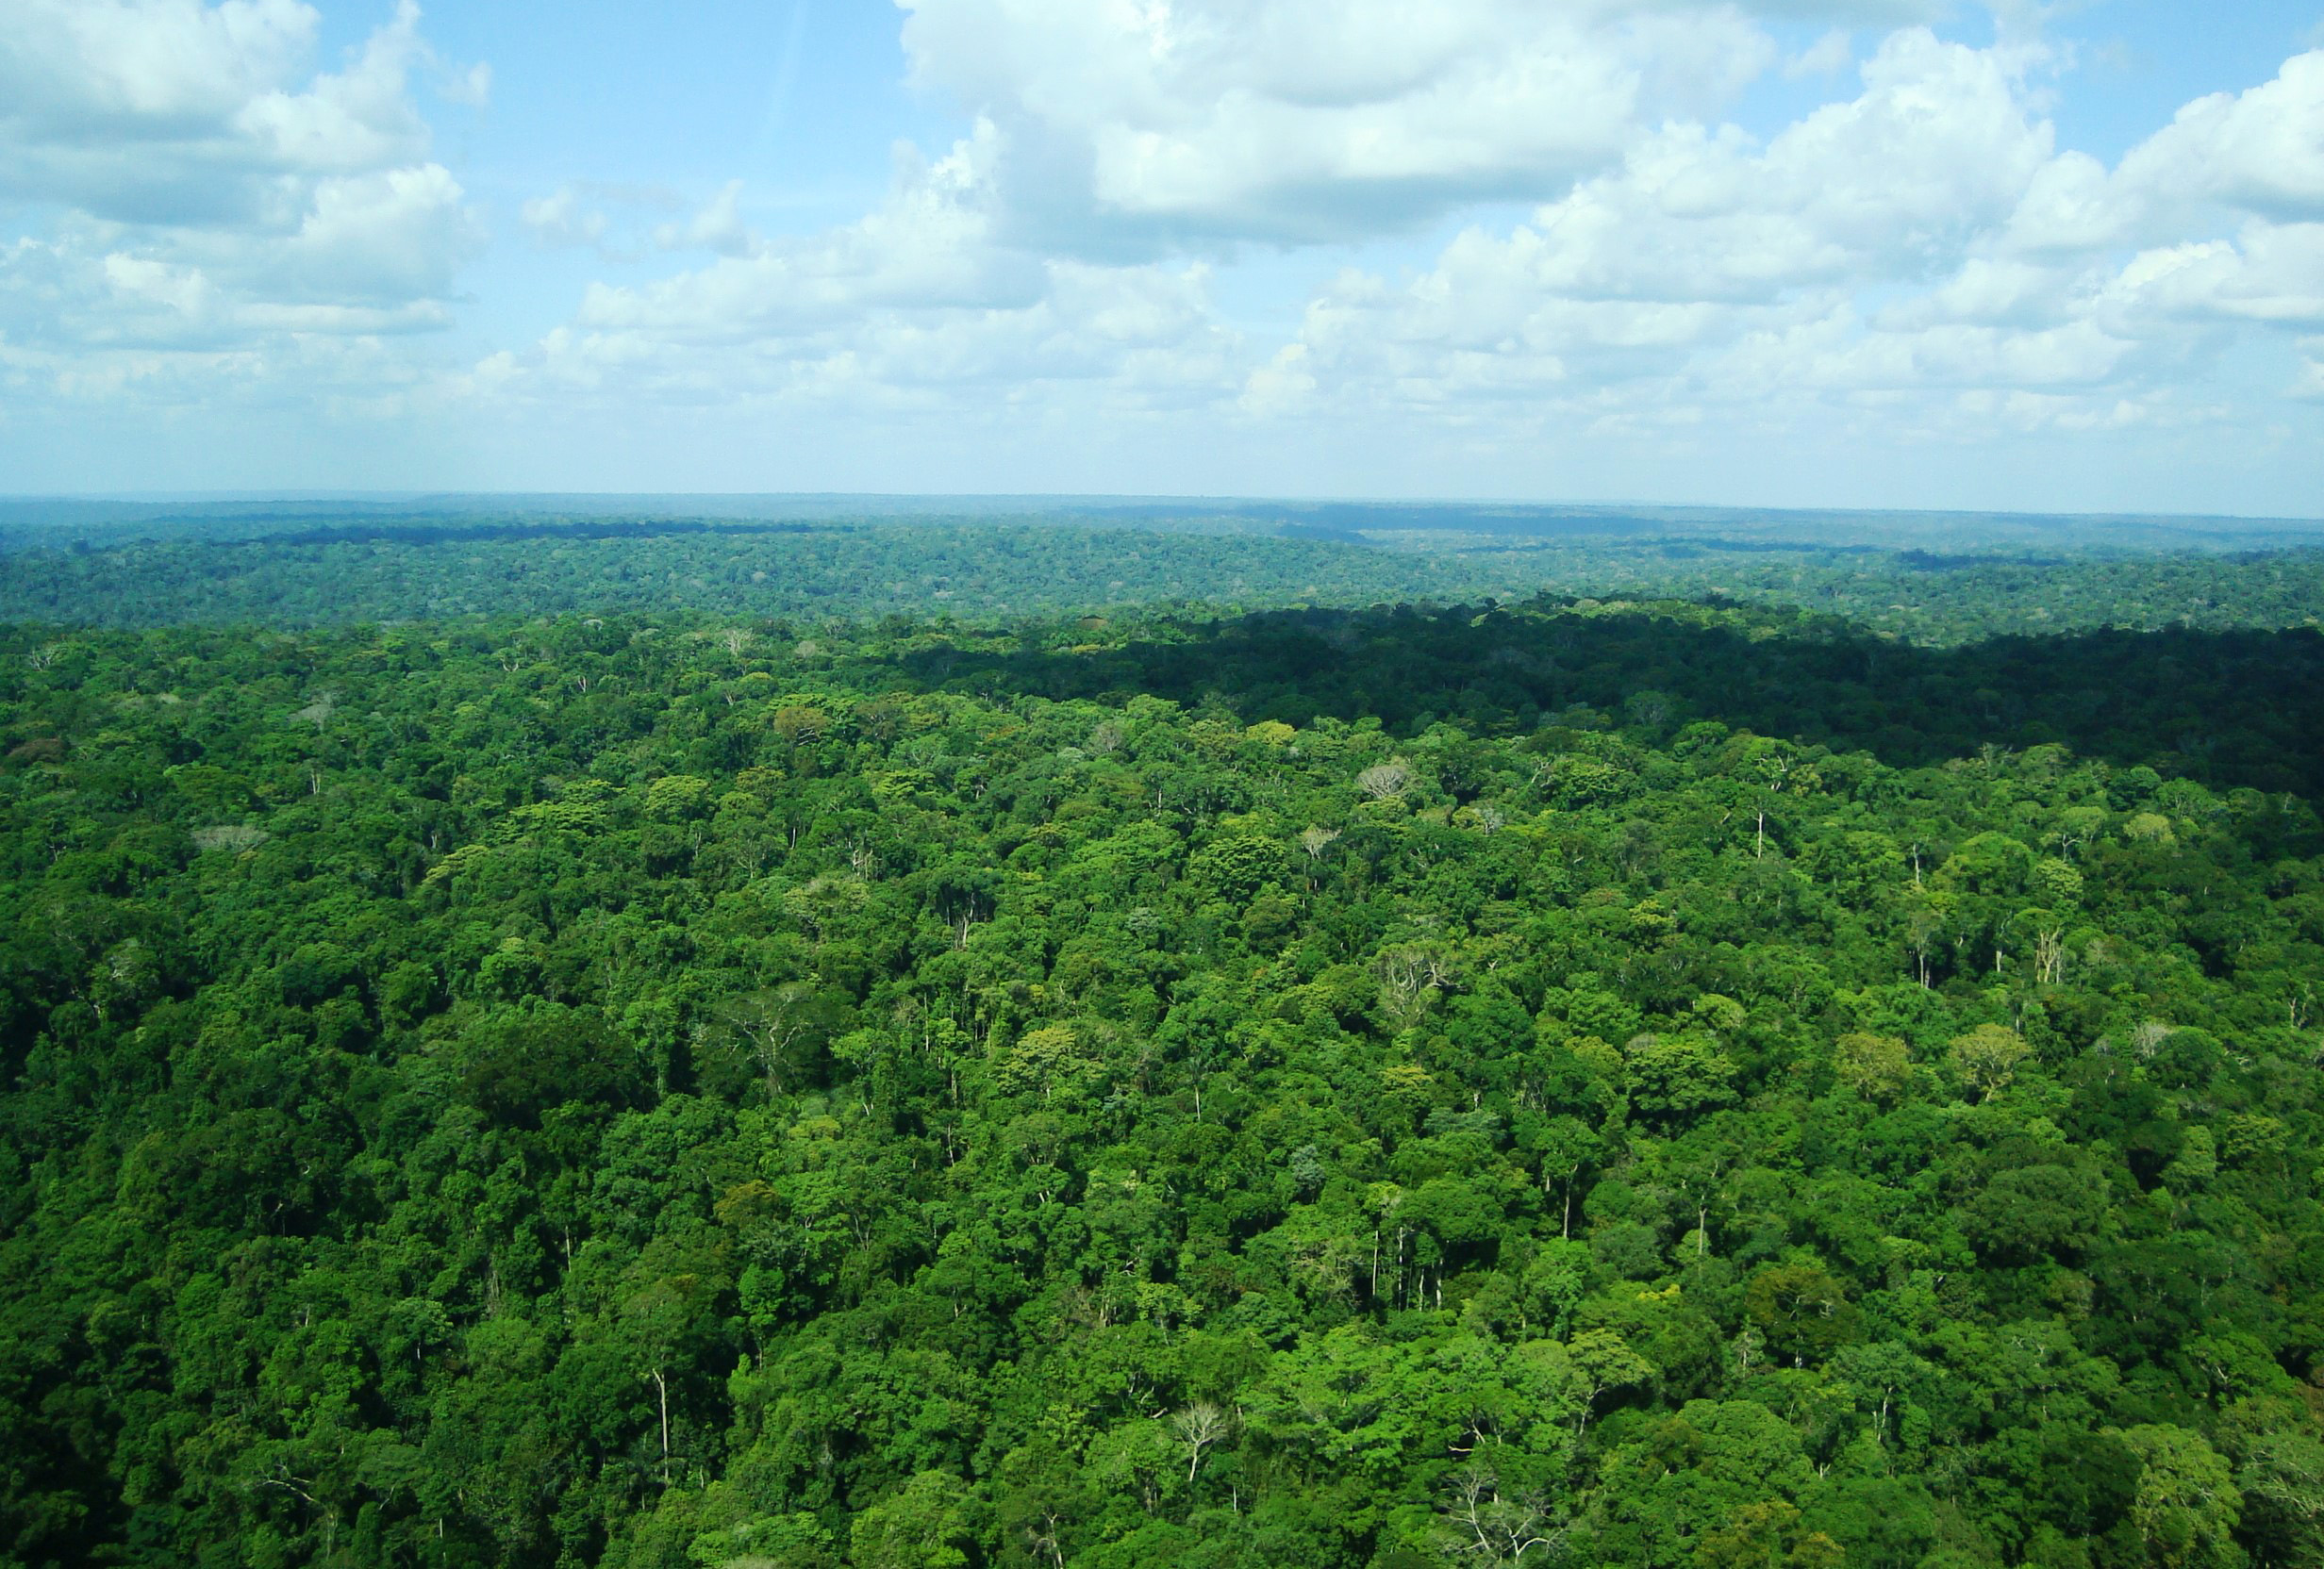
2260 150
1137 338
208 192
1913 260
470 89
1916 259
361 118
1704 242
559 219
211 214
2309 381
1997 292
905 309
169 111
718 226
626 223
2271 273
2069 208
1280 384
1139 125
1827 56
383 236
90 72
1839 355
928 248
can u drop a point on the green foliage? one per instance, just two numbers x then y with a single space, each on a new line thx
1655 1085
1988 1057
320 570
1879 1067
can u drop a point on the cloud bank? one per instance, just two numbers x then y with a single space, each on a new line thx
200 207
1488 231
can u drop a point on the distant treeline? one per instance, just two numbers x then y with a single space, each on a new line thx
455 533
331 571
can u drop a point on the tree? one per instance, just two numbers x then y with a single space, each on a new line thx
1041 1059
1603 1361
918 1528
1879 1067
799 723
1988 1057
1768 1536
2187 1506
1679 1076
2280 1476
1198 1426
1802 1309
1481 1521
591 1127
662 1323
1384 781
2037 1210
778 1023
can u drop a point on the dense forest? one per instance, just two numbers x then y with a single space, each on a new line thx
327 570
815 1080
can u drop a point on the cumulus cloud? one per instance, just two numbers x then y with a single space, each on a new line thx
1578 235
1174 121
2260 150
1827 56
1920 251
1113 141
2309 381
628 224
718 226
1707 247
1916 258
915 302
1126 339
207 191
2269 273
928 248
560 219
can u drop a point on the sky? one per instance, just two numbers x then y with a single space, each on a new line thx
2019 256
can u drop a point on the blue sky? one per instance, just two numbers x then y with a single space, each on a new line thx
1897 253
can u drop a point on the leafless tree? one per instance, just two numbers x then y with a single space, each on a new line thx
772 1021
1384 781
2050 955
1407 972
1485 1524
234 837
319 712
1199 1427
1047 1538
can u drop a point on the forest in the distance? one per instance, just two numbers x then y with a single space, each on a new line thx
311 566
1035 1042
